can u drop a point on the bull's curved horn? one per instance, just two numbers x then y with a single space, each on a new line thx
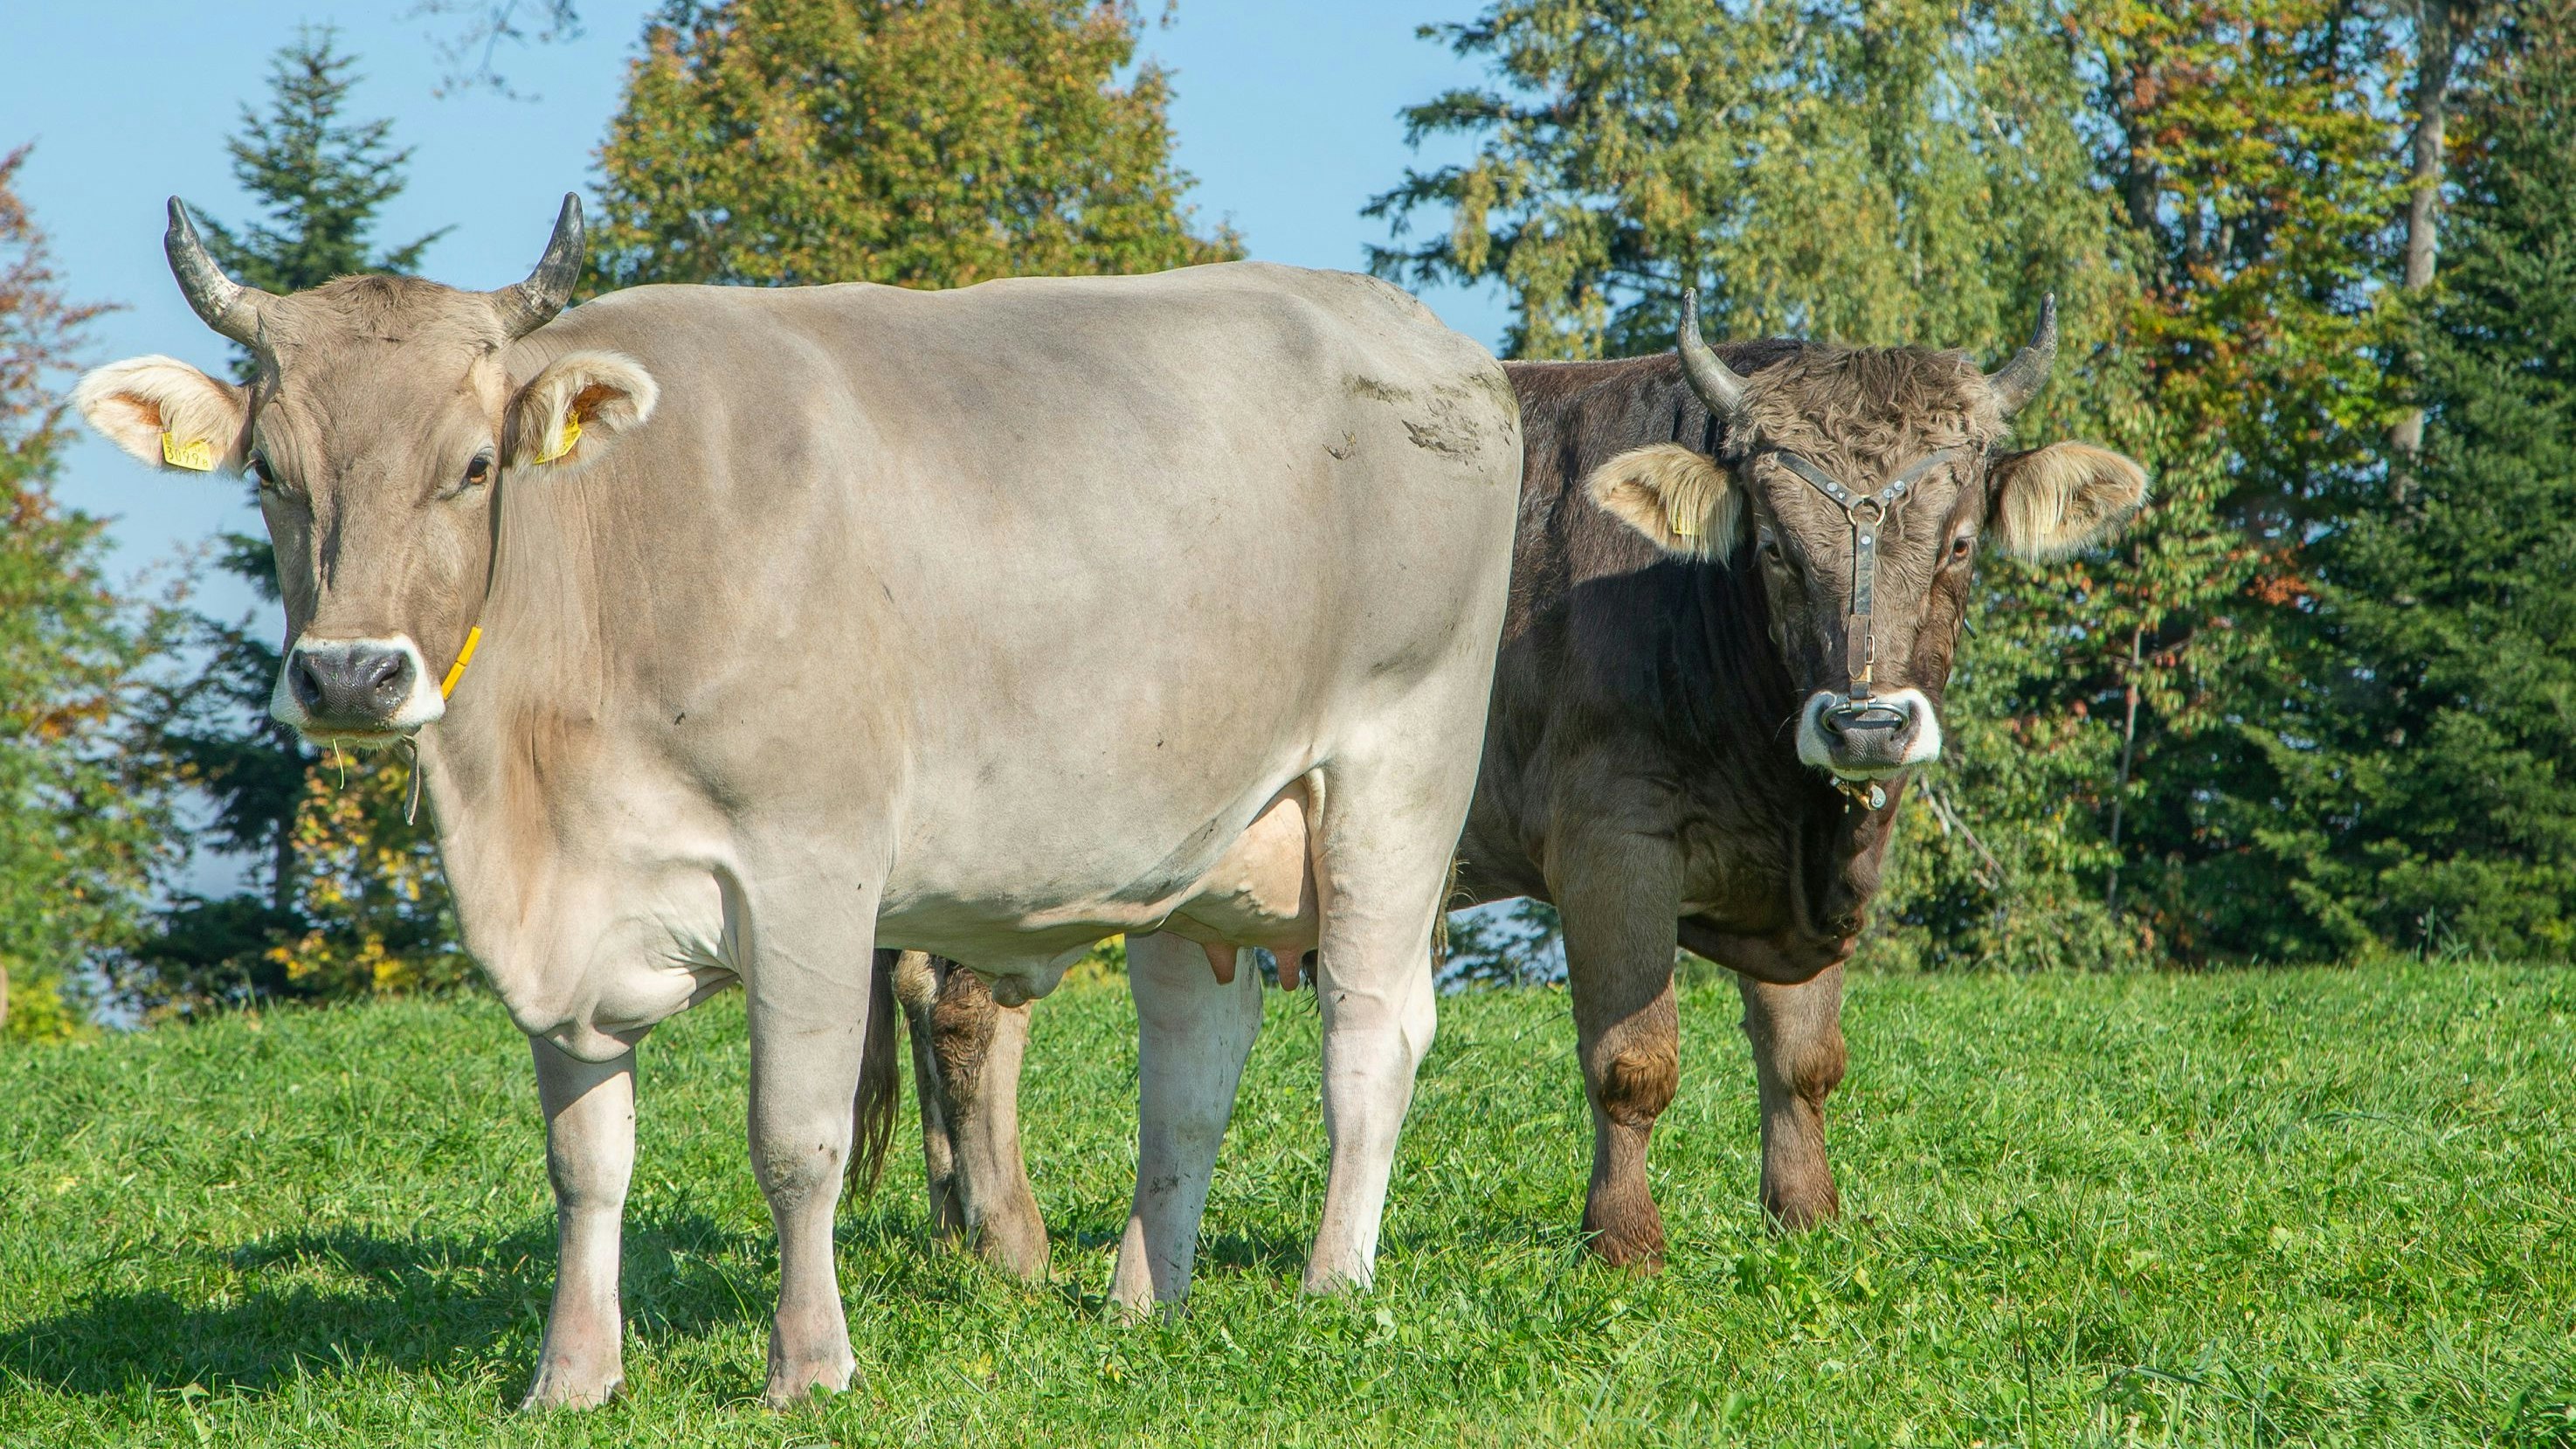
1717 384
529 305
225 305
2018 381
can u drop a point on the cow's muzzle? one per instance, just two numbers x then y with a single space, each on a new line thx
355 689
1871 738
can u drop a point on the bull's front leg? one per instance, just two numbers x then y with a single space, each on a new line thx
590 1155
966 1054
808 1011
1797 1035
1616 893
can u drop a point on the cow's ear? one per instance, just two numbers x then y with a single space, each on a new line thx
1680 499
572 412
167 413
2051 501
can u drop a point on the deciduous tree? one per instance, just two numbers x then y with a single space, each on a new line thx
928 143
84 801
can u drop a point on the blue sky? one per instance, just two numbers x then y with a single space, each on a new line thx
1286 113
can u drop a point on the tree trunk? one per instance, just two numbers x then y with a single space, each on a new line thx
2436 50
2128 756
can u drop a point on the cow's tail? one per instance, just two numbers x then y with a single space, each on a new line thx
880 1087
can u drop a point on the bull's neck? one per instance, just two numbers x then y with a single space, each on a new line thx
1749 743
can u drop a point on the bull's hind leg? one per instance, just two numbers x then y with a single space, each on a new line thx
1616 894
966 1056
807 989
1192 1035
1797 1034
590 1155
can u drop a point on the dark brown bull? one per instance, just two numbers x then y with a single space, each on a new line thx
1737 582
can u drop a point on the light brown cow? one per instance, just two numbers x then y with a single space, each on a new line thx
816 619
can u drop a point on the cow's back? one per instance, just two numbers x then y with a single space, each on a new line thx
1065 577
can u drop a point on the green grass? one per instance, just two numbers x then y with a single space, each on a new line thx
2293 1207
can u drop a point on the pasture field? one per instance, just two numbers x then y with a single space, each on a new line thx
2314 1206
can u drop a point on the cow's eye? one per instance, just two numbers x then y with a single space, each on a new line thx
259 468
478 472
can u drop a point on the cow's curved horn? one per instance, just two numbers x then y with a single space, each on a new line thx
1717 384
2018 381
225 305
529 305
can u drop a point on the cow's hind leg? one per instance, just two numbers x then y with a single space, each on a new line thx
1797 1034
590 1155
807 989
1388 832
1192 1036
966 1056
1616 895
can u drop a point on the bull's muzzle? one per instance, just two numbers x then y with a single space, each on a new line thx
1869 738
355 688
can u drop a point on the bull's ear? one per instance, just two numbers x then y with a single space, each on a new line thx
2051 501
1680 499
167 413
572 412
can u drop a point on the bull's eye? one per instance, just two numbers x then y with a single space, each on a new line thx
478 472
1960 548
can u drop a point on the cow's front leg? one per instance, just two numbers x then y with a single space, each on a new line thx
1797 1034
1192 1036
590 1155
1616 894
808 1011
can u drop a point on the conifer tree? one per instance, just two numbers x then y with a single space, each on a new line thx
929 143
2437 808
350 899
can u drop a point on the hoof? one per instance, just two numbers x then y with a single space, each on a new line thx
1335 1282
794 1385
1018 1248
793 1381
563 1389
1632 1241
1798 1214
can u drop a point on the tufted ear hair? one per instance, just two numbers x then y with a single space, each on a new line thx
1680 499
2049 502
168 414
572 412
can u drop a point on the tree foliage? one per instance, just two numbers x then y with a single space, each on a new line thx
928 143
84 801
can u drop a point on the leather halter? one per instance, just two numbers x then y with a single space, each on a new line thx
1870 514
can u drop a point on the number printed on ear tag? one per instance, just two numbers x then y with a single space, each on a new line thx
563 445
196 457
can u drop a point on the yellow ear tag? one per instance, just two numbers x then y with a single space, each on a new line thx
563 445
1683 525
464 657
196 457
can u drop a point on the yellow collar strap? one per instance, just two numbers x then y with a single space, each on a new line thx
464 657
